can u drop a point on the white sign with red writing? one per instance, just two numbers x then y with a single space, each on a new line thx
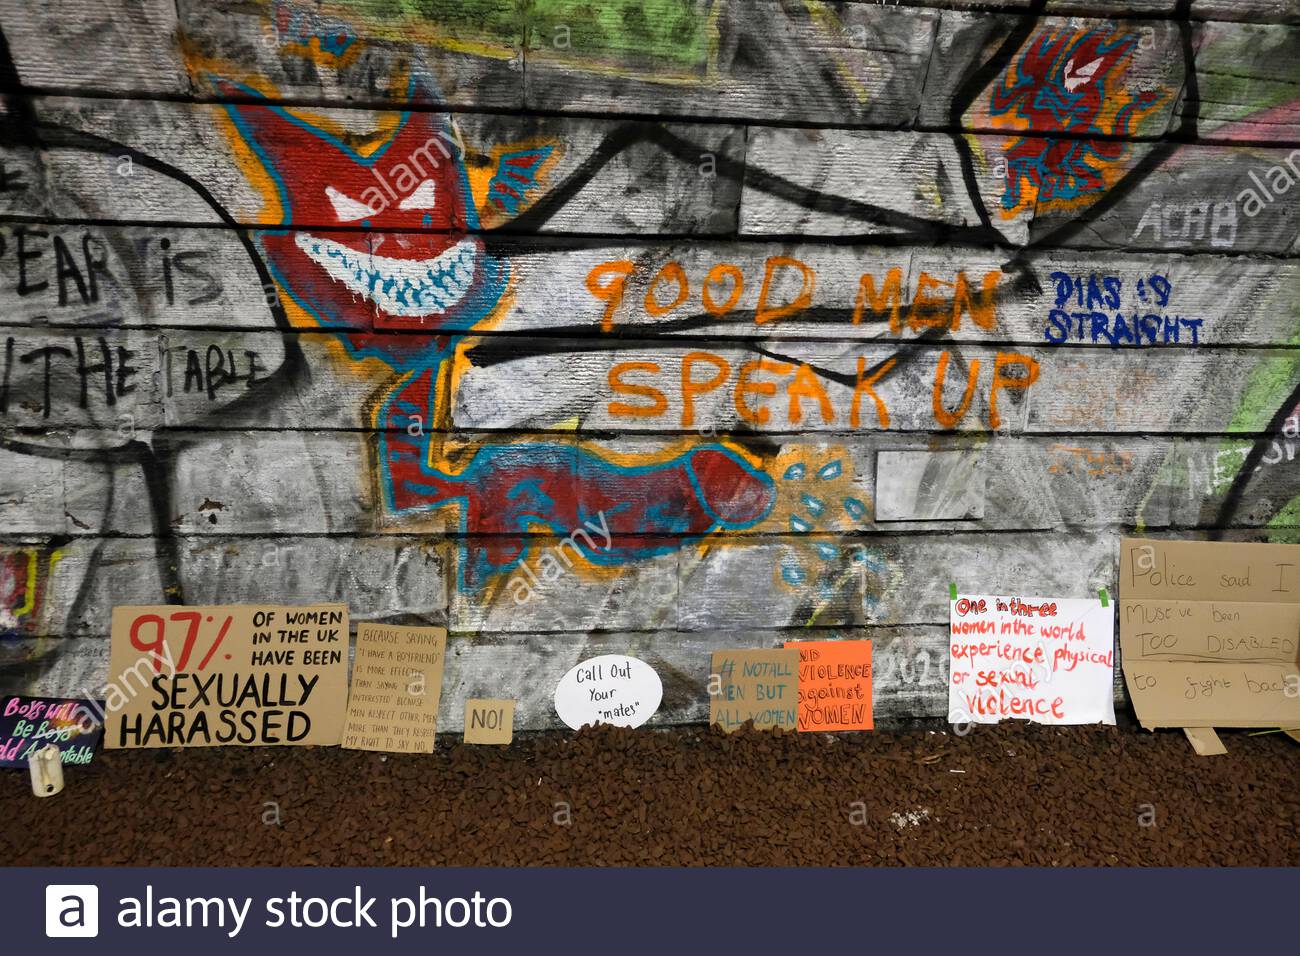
1049 660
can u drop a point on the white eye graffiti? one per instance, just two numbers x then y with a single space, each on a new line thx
1076 78
421 198
347 208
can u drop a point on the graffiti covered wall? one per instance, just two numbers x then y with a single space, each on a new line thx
643 327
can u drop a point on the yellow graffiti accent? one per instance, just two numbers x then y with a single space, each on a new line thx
417 31
55 558
479 172
313 51
29 589
677 448
833 490
823 605
827 20
484 168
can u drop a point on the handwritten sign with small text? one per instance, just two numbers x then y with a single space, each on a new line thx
28 724
834 684
1049 660
757 685
396 687
1211 632
609 689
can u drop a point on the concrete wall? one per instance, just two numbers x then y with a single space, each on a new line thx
802 310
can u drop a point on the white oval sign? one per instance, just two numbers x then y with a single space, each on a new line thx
610 689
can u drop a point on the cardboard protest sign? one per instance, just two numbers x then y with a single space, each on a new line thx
1048 660
489 721
396 687
834 685
239 674
1210 633
28 724
609 689
757 685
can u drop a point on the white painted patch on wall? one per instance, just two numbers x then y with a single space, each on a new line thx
929 486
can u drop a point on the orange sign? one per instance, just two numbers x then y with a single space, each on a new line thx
834 685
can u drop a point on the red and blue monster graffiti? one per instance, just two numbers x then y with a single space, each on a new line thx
403 288
1074 83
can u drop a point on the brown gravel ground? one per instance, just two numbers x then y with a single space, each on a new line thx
1011 794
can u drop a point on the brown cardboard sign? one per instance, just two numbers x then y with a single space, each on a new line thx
1205 741
757 685
396 687
1212 630
1210 633
237 674
489 721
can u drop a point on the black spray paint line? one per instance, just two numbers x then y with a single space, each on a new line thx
24 128
1233 500
1158 154
970 90
817 200
617 140
293 369
915 228
808 195
1188 131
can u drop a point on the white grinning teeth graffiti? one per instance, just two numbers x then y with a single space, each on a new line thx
405 287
